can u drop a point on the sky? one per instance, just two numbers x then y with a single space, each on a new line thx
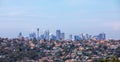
70 16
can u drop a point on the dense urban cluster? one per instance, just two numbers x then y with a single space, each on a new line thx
25 50
47 35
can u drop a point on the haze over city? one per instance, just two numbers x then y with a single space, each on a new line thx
70 16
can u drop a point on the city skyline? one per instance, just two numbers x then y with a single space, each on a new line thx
70 16
60 35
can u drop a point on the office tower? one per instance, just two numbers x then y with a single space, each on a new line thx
32 35
52 37
70 37
90 37
37 33
102 36
20 35
46 34
82 36
87 37
76 37
62 36
42 36
58 34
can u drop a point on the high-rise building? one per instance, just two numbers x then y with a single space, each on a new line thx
42 36
70 37
38 33
58 34
82 36
52 37
102 36
20 35
76 37
46 34
32 35
87 37
62 36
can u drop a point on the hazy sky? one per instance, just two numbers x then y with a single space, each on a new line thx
71 16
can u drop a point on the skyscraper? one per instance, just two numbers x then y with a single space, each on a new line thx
42 36
76 37
87 37
46 34
70 37
58 34
37 33
20 35
102 36
62 36
82 36
52 37
32 35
